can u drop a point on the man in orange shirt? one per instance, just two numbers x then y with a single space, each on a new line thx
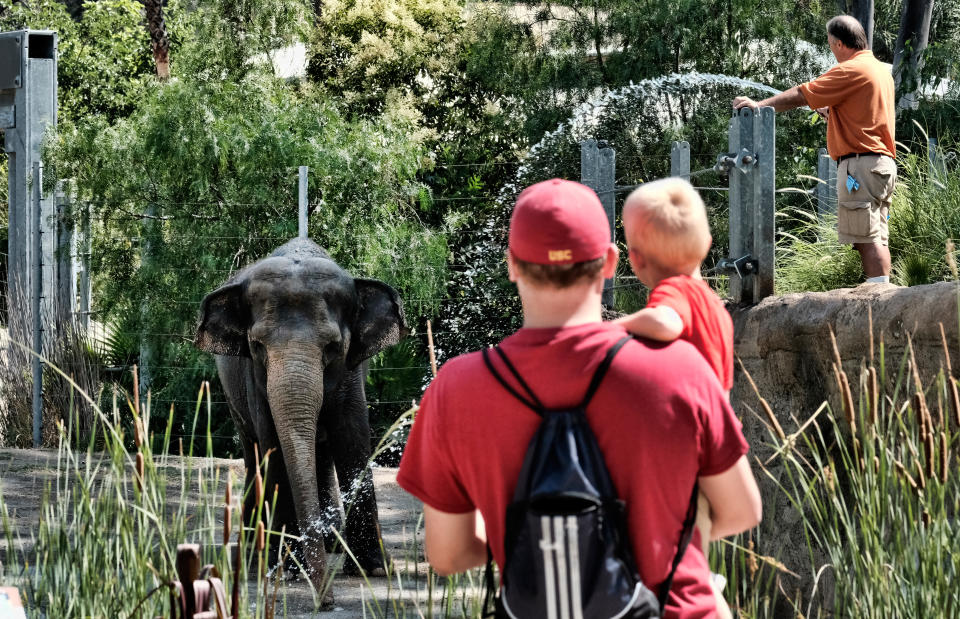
857 97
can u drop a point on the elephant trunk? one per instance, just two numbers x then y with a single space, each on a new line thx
295 394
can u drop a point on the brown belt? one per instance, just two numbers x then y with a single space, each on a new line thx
851 155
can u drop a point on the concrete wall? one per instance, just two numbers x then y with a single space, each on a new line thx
784 344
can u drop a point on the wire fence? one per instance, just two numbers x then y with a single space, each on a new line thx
131 229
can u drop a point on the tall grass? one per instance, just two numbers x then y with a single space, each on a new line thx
925 213
875 485
112 517
114 512
874 482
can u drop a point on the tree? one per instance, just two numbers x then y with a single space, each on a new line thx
863 11
159 41
218 161
909 51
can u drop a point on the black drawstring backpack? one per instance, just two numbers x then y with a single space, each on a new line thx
568 553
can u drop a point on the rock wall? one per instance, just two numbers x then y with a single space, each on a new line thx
784 343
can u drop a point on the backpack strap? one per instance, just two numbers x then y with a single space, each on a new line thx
534 403
516 374
685 534
490 586
601 371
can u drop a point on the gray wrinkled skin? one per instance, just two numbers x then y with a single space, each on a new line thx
291 334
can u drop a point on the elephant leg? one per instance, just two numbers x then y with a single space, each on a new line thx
249 500
350 445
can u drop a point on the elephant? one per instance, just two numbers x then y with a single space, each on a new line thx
291 334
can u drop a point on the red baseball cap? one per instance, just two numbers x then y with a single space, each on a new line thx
558 222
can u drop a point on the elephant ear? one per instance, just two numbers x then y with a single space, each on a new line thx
380 322
224 319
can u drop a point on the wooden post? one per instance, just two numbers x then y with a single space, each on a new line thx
741 206
66 250
148 262
680 160
765 228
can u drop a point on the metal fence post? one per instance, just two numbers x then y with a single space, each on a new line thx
680 159
66 249
752 173
826 190
302 222
938 168
765 186
83 280
36 292
28 107
147 266
598 163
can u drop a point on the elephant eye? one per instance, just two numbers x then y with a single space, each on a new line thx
332 349
256 348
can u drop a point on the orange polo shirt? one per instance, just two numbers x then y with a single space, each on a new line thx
859 92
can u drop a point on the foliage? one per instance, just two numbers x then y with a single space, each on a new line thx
201 180
553 57
226 40
103 58
368 51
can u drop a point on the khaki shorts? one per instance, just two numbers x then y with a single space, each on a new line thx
862 214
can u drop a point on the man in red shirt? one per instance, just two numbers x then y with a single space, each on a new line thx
857 97
660 417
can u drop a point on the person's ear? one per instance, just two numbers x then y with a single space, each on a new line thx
511 267
610 261
637 261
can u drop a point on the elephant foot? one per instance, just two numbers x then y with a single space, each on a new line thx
372 563
326 600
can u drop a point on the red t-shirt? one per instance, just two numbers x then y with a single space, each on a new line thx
660 417
706 323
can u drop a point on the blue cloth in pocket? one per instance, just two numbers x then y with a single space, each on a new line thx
852 184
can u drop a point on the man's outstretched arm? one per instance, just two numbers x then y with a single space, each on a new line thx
786 100
454 543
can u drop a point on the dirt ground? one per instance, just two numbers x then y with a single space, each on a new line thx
24 475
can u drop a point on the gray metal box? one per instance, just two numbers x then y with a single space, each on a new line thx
11 59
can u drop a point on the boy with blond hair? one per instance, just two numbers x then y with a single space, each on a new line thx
668 237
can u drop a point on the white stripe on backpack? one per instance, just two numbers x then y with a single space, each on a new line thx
547 546
559 544
573 551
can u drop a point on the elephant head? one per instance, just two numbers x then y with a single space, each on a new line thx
306 324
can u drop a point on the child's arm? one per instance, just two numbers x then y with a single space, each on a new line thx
661 323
